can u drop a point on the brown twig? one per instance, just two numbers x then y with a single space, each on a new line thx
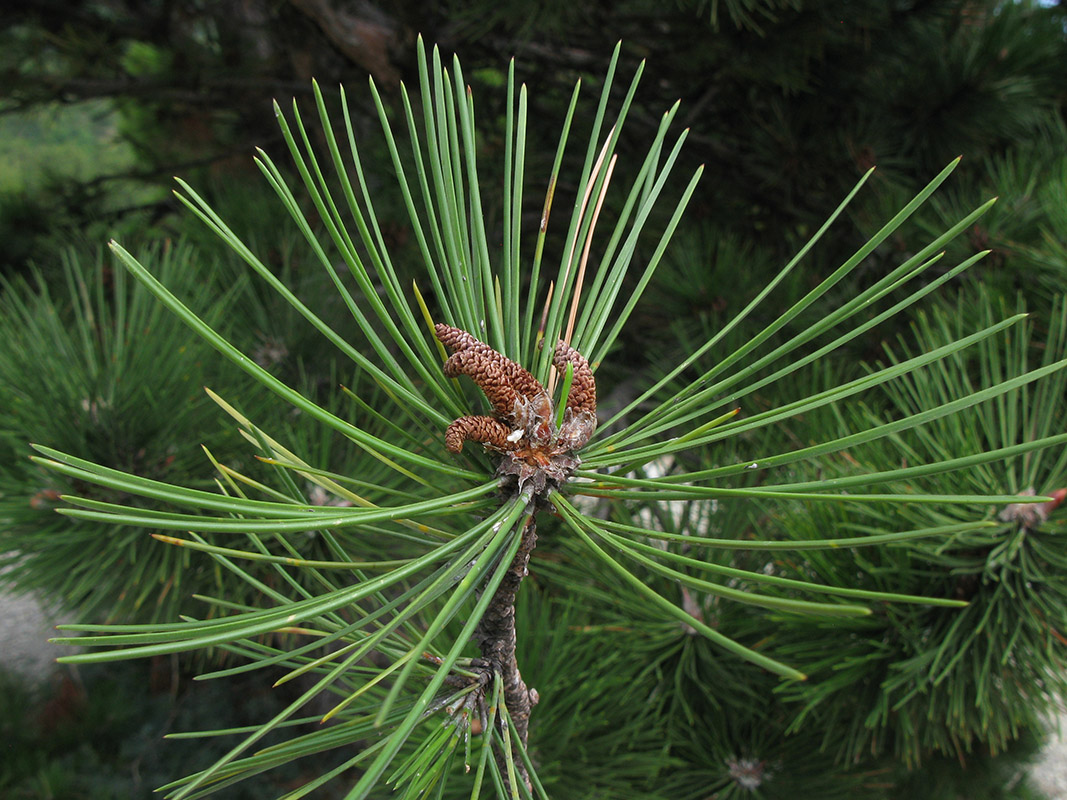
496 639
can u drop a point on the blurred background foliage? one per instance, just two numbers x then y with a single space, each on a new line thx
789 102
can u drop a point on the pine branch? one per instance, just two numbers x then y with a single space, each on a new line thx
496 640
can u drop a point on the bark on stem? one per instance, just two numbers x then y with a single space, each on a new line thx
496 639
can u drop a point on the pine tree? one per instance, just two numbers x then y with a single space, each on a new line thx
671 568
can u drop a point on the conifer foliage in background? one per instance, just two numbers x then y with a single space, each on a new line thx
89 364
500 501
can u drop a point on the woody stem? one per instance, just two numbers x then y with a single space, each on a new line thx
496 639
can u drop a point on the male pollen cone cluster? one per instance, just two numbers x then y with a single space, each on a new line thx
523 423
